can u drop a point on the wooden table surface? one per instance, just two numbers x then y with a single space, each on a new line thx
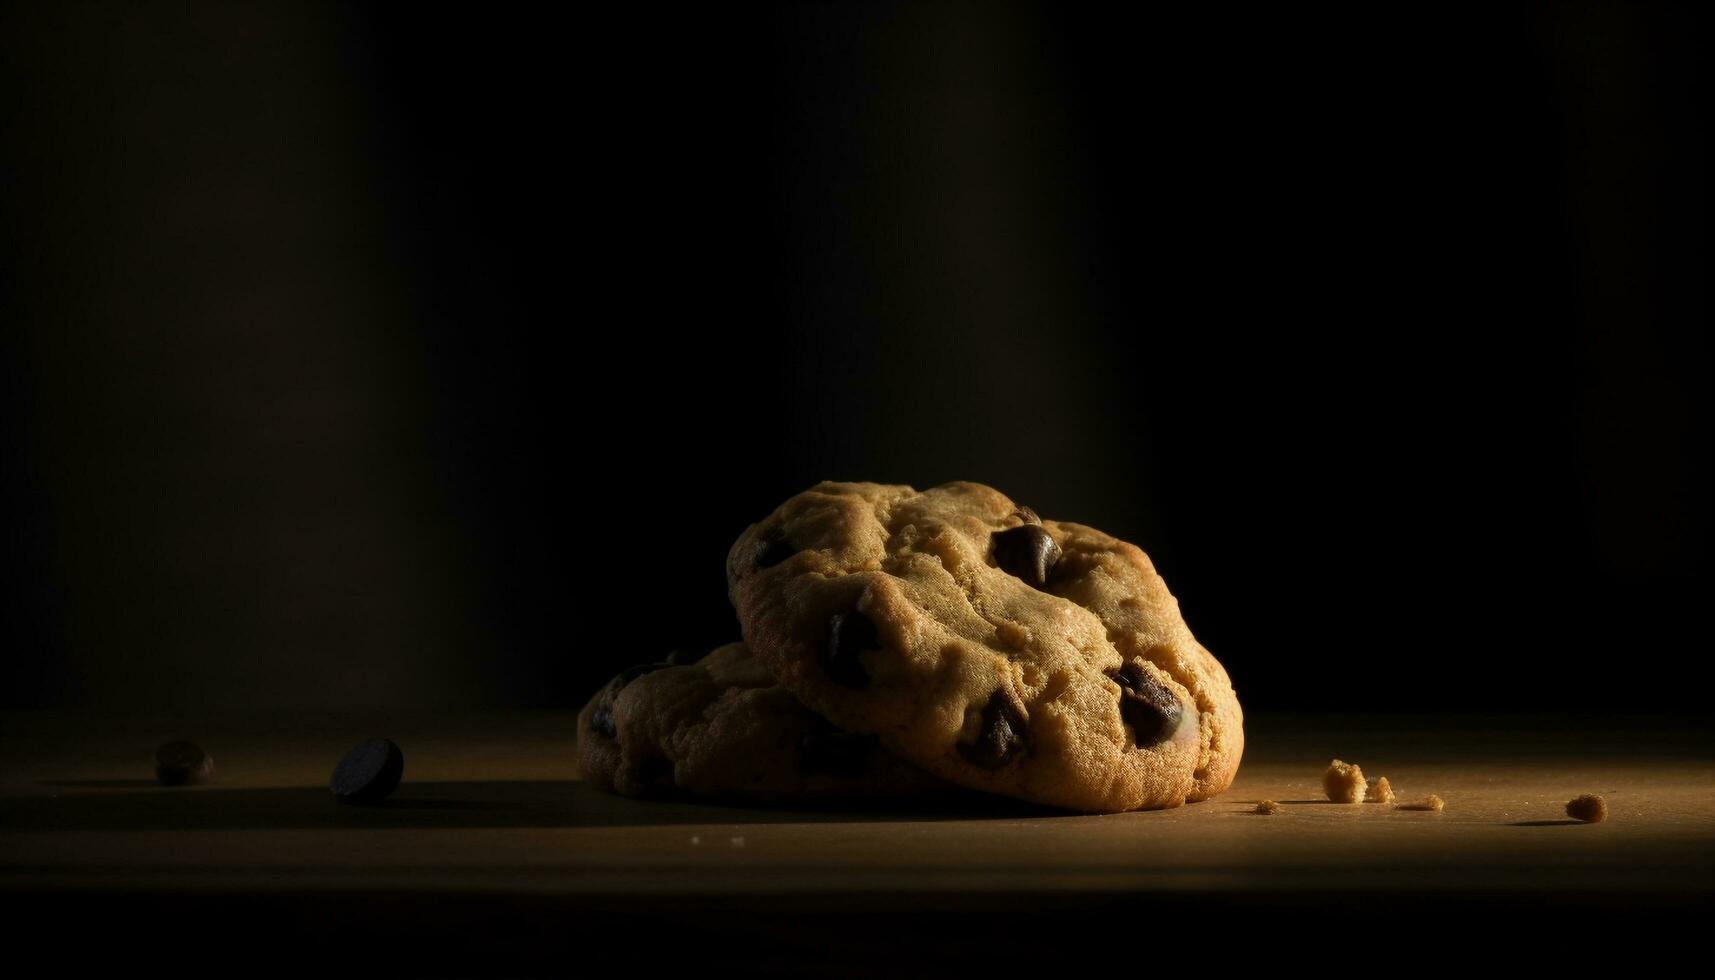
490 826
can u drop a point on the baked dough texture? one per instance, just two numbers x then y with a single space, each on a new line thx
1038 659
1379 790
722 728
1344 782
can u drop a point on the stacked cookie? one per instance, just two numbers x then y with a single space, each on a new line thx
907 645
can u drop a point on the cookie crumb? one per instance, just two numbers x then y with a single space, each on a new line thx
1379 791
1430 802
1343 783
1589 808
1267 806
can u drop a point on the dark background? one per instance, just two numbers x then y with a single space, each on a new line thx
382 356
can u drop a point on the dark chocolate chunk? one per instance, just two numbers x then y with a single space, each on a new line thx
601 719
368 773
1002 736
1026 551
849 634
181 763
1146 705
835 753
772 551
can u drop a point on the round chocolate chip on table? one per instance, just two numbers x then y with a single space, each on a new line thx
1001 737
1026 551
1146 705
849 634
368 773
182 763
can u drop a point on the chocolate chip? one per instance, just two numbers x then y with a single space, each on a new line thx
1146 705
1026 551
1002 736
834 753
772 551
368 773
849 634
181 763
601 719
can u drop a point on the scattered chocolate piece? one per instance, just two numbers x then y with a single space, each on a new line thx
1378 791
1026 551
182 763
849 634
1589 808
1001 737
368 773
1146 705
1267 807
1430 802
1343 782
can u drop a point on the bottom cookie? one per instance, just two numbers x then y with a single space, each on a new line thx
722 728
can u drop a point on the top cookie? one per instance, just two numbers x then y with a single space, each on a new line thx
1039 659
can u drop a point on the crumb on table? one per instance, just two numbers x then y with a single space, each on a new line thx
1343 782
1267 806
1430 802
1379 791
1589 808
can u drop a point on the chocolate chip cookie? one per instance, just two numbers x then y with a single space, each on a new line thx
723 728
1034 658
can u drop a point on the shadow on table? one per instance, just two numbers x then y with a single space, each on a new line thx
424 805
101 783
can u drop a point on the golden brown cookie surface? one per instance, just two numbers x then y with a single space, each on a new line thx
1038 659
